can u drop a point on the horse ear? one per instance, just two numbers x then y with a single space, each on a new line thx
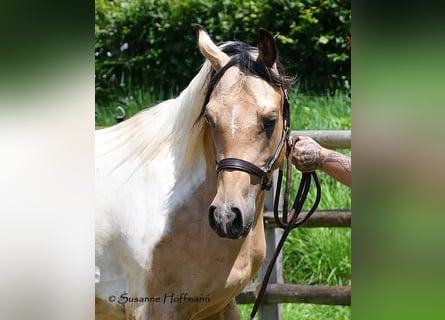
267 50
209 49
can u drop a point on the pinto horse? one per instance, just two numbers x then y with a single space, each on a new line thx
180 189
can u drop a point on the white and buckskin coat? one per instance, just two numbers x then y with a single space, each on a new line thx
156 256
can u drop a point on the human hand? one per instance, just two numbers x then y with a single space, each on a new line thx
307 154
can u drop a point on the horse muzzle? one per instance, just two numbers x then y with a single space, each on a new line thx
229 221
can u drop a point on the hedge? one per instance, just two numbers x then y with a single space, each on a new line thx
151 46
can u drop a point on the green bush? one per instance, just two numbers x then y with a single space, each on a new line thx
151 45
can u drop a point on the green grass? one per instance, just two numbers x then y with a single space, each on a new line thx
313 255
304 311
320 113
132 104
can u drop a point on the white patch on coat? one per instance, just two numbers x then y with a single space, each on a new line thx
146 167
233 123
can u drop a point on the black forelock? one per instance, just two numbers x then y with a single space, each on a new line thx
240 56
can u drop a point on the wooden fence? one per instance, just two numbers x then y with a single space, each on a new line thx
278 292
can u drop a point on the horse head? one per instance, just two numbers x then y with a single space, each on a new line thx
245 109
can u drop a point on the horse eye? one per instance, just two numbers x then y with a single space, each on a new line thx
269 123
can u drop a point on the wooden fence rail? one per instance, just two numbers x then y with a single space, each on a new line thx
322 218
297 293
332 139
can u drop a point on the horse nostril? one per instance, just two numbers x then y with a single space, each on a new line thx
237 222
212 221
227 223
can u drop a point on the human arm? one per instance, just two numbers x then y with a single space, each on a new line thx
309 156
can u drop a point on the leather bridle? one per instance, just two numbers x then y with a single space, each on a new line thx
251 168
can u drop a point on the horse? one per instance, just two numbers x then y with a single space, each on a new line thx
180 189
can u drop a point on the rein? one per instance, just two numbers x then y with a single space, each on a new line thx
290 219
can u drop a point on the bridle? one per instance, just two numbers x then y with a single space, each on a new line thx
249 167
290 219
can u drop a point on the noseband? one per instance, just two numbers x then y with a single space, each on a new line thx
249 167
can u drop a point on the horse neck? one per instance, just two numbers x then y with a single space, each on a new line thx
168 130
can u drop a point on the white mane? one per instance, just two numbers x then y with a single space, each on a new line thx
167 129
